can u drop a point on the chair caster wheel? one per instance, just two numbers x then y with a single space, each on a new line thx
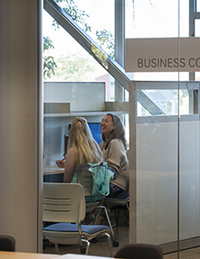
115 243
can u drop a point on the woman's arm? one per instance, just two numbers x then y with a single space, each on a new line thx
115 155
70 165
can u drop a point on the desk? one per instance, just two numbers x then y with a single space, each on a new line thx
80 256
21 255
53 174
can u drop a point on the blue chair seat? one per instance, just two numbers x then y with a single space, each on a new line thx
68 227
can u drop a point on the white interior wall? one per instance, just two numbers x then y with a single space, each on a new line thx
19 96
82 96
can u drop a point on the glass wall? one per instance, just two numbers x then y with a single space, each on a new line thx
167 147
159 110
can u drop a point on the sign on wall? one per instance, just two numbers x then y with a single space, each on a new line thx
162 55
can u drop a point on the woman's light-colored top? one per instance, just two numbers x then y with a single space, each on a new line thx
115 155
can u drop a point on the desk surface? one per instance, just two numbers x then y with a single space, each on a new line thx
21 255
80 256
48 170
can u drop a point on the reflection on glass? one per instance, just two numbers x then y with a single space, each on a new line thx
99 56
167 100
99 16
157 19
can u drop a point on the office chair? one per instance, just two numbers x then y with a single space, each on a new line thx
7 243
64 204
87 176
119 201
116 203
140 251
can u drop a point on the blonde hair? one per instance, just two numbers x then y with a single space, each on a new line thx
86 148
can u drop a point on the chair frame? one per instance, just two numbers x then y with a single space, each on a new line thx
117 202
86 180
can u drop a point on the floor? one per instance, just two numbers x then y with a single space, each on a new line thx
101 248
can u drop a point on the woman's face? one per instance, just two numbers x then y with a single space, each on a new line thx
107 126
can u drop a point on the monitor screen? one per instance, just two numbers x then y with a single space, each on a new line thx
95 128
66 140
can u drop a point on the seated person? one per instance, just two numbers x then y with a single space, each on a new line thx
82 149
113 148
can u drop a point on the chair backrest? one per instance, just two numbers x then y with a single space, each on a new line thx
7 243
95 179
85 178
63 202
140 251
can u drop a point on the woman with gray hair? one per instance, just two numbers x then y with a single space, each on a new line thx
114 148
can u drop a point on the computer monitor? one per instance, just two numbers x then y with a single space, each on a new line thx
95 128
66 140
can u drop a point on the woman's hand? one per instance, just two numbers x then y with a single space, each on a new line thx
61 163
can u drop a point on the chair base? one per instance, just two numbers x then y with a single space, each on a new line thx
59 233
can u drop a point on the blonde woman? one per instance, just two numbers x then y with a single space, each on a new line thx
82 149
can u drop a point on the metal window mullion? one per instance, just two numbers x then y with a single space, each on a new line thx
119 44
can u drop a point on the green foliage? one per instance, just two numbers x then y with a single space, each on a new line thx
48 43
74 68
105 38
49 63
49 66
77 15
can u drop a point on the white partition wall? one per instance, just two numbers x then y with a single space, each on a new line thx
19 127
157 181
165 184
